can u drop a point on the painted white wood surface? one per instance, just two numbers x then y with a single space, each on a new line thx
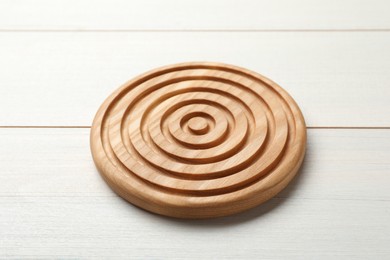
194 15
60 59
54 204
61 78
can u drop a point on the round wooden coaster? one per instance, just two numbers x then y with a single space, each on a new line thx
198 140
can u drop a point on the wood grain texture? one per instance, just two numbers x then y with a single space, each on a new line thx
198 140
193 15
54 201
60 79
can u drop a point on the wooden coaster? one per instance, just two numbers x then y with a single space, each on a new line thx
198 140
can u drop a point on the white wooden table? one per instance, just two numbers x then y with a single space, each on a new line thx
59 59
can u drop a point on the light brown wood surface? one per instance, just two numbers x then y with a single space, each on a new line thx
198 140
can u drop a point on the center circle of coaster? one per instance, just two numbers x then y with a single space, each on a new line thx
178 127
198 125
198 140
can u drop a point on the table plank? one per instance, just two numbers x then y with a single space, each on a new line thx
53 204
60 79
194 15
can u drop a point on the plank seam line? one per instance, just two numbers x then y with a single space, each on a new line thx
189 30
32 195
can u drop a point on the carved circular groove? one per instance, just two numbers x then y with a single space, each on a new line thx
198 140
